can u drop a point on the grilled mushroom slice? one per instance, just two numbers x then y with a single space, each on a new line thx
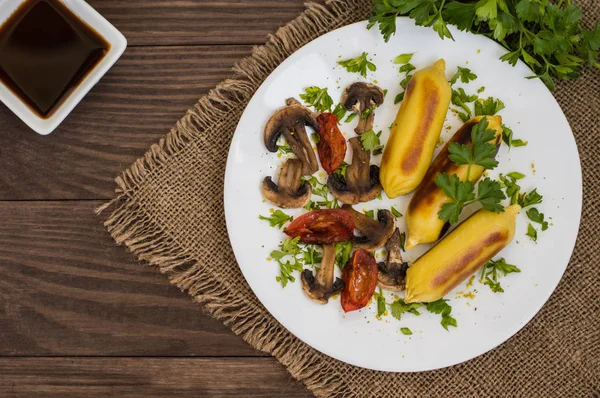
321 287
361 183
392 273
375 233
362 98
291 121
289 193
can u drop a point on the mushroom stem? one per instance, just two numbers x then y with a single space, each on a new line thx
361 183
289 192
298 140
323 286
392 273
325 273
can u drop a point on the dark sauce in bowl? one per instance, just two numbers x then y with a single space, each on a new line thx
46 51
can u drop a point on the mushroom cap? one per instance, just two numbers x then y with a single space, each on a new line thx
293 114
316 292
360 92
375 233
289 193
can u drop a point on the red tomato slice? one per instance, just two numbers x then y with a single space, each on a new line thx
332 144
360 280
322 227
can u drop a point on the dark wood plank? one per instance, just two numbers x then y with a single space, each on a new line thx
151 22
147 377
67 289
134 105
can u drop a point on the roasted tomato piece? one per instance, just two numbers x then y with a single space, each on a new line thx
360 279
332 144
322 227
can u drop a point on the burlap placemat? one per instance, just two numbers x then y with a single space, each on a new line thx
169 212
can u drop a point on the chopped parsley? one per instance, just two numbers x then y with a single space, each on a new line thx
534 215
399 307
403 58
507 138
318 98
531 232
491 270
342 253
403 241
322 191
490 106
350 117
359 65
284 149
339 111
464 74
441 307
277 218
371 142
395 212
406 331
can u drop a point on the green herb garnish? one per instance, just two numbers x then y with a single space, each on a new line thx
534 215
531 232
342 253
395 212
507 138
277 218
491 270
359 64
464 74
339 111
318 98
370 141
490 106
406 331
441 307
547 36
403 58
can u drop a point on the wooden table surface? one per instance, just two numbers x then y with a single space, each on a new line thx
78 315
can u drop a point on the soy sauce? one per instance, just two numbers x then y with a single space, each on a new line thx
45 53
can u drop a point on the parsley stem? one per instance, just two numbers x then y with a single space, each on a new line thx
468 173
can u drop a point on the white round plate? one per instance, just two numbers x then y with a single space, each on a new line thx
550 162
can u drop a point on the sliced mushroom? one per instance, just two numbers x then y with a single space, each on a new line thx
321 287
288 193
392 273
291 121
361 183
375 233
362 98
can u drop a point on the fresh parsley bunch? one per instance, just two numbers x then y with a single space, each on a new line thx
547 36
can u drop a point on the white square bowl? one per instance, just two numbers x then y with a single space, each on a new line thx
117 42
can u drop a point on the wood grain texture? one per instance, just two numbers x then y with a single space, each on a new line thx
146 377
67 289
132 107
152 22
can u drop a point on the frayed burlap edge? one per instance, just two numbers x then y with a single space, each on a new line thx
131 226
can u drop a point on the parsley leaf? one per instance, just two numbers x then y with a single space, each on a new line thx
489 194
457 190
399 307
480 152
321 190
491 270
534 215
507 138
441 307
289 248
342 253
407 68
490 106
370 140
359 64
318 98
403 58
350 117
339 111
311 255
531 232
530 199
284 149
465 76
399 98
342 169
403 241
277 218
381 308
406 331
395 212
